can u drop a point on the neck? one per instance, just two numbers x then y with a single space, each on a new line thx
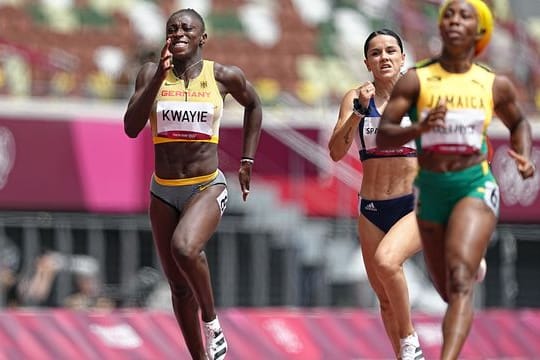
456 62
183 70
383 88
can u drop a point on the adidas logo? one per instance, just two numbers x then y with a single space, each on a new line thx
370 207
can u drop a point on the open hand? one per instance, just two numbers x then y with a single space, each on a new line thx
244 176
524 165
165 60
435 117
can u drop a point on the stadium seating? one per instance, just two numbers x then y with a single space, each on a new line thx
272 54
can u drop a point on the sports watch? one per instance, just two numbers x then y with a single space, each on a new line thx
358 109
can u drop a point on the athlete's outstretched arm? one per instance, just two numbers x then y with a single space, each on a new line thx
147 85
242 91
507 109
346 125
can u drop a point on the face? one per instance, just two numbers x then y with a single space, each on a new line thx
459 25
384 57
186 33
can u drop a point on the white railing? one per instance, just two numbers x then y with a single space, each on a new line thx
277 126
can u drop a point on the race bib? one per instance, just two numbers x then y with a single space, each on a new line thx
491 196
222 200
185 120
370 128
462 134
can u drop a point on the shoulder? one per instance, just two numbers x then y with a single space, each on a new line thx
502 81
503 89
149 67
425 63
484 67
408 82
228 73
146 72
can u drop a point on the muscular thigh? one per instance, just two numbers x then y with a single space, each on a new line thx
402 240
201 216
164 219
433 246
370 237
470 228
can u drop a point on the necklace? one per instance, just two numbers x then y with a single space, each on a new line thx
181 76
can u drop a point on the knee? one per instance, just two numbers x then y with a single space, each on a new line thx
460 281
184 251
386 266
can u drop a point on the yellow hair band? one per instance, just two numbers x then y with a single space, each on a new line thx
485 22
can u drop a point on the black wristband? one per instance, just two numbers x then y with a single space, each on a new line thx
358 109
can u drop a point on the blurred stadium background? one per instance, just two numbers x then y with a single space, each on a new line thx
286 266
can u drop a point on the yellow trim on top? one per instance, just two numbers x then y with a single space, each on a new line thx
186 181
162 140
485 167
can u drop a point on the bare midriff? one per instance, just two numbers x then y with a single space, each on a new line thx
388 178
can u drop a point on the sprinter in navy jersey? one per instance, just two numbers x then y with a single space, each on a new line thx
386 222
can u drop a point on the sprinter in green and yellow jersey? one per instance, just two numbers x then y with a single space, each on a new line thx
451 101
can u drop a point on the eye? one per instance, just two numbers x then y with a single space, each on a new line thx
466 15
448 13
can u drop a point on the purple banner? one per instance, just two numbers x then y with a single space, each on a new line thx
72 166
91 165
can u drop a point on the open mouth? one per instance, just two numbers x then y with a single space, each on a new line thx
453 34
180 45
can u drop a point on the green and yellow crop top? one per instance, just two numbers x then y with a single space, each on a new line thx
469 101
191 114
